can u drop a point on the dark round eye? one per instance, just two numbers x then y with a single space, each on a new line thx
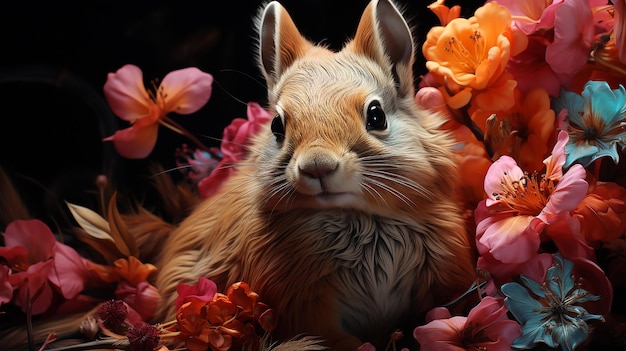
278 129
376 119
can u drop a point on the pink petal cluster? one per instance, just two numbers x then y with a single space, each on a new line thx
39 267
561 35
486 327
234 147
519 209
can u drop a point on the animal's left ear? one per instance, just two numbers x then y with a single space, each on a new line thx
385 36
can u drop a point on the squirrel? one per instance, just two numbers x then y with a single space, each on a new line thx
343 216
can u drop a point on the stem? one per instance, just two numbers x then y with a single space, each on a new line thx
29 319
467 121
467 293
171 124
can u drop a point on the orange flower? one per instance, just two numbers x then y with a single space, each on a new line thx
194 328
443 12
470 55
602 213
132 270
220 309
526 132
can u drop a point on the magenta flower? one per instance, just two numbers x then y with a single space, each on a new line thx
204 291
486 327
143 297
40 265
182 91
234 147
520 205
573 36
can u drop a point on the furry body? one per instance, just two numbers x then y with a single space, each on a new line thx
344 229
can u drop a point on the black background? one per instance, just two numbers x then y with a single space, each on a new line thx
55 56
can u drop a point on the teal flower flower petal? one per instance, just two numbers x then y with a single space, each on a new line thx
596 122
550 312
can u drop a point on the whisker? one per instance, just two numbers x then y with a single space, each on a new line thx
230 70
216 82
405 199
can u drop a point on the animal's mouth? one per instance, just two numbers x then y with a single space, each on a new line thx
326 199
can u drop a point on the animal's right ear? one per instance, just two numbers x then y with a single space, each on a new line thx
280 42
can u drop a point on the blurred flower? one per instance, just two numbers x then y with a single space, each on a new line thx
197 164
204 291
40 265
596 122
531 16
486 327
182 91
443 12
112 314
143 337
520 205
552 314
133 270
619 28
602 213
234 147
574 33
468 57
526 131
143 297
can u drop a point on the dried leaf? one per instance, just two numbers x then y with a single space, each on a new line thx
124 240
91 222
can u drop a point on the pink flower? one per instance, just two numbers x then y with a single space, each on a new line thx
40 265
204 291
519 206
234 146
182 91
486 327
531 16
143 297
573 36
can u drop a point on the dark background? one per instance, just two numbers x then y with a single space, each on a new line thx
55 56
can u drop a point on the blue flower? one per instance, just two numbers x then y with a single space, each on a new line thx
551 314
596 122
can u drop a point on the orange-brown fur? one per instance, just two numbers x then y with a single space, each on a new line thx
348 255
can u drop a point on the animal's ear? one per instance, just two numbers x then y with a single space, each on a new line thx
385 36
280 42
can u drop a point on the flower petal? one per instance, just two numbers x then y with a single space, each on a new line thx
186 90
512 240
135 142
32 234
126 94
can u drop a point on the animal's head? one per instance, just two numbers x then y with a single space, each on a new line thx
347 133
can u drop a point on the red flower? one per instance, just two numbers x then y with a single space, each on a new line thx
234 147
39 265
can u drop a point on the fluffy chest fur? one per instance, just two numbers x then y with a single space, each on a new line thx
364 267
